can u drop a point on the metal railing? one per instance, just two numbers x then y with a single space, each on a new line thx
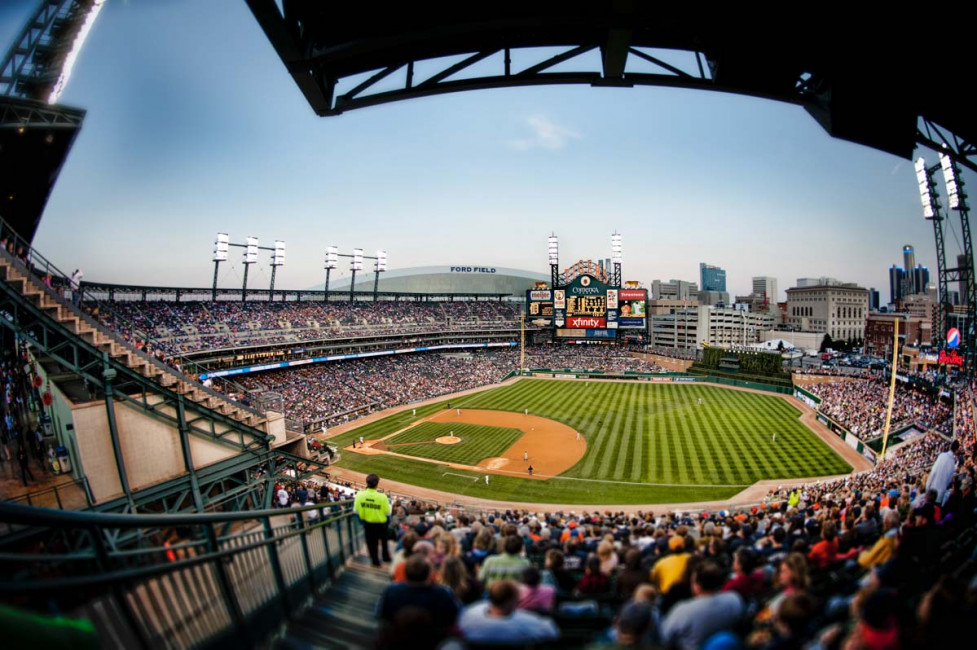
70 495
45 274
187 581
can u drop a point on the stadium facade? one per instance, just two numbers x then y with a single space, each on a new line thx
468 278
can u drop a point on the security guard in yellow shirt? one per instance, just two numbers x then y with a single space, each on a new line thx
373 510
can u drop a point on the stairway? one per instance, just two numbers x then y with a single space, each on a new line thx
346 616
15 274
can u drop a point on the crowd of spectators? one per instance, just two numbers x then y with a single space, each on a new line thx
185 327
337 392
873 561
860 405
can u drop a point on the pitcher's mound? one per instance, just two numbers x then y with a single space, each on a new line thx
493 463
448 440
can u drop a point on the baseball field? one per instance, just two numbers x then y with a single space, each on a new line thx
593 442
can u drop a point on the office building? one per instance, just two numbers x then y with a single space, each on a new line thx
711 278
690 327
921 279
873 299
897 284
765 289
908 264
839 310
822 281
674 290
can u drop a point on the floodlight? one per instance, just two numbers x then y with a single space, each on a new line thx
356 263
332 257
381 264
554 249
953 196
925 186
278 254
251 251
616 248
221 245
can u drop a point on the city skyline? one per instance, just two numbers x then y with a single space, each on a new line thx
182 141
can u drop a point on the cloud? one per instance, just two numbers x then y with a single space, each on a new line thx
546 134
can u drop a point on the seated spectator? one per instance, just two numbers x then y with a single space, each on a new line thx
501 621
748 582
884 548
509 565
555 574
416 601
594 582
534 596
632 575
607 556
691 622
455 577
825 553
669 570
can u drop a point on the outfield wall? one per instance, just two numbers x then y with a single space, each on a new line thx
656 378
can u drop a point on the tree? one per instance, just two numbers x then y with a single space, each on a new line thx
827 343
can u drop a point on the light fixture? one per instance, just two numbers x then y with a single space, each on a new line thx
221 245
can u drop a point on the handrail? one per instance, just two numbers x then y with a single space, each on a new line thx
30 259
186 580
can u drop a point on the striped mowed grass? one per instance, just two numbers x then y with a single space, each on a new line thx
477 442
646 443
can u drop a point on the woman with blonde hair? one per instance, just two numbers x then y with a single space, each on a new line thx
607 556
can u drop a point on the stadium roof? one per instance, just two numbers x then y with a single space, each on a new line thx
35 139
862 80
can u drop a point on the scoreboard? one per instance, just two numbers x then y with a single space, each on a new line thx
587 308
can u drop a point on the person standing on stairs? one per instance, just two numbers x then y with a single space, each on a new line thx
373 510
75 283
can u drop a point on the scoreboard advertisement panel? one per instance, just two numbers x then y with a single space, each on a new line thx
633 310
539 307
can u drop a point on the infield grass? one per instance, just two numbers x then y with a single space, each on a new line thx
477 442
646 443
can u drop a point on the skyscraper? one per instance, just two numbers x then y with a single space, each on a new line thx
765 287
873 299
908 264
921 278
897 283
711 278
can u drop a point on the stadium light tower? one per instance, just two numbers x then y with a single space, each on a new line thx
250 257
355 264
332 261
553 246
378 267
221 247
616 257
957 200
931 212
277 259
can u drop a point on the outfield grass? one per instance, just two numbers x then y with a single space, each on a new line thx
477 442
646 443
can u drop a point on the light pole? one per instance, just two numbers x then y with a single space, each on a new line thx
221 248
332 261
277 259
378 267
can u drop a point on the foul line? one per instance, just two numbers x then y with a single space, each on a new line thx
473 478
600 480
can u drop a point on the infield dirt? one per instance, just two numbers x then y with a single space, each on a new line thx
552 447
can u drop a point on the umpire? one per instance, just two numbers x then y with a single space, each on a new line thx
373 509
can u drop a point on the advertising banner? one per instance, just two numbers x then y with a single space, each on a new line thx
600 334
559 299
586 322
559 317
632 294
612 319
540 295
612 298
637 323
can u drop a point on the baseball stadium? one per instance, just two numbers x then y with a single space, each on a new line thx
468 455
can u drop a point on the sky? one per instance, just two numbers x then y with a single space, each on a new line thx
194 127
